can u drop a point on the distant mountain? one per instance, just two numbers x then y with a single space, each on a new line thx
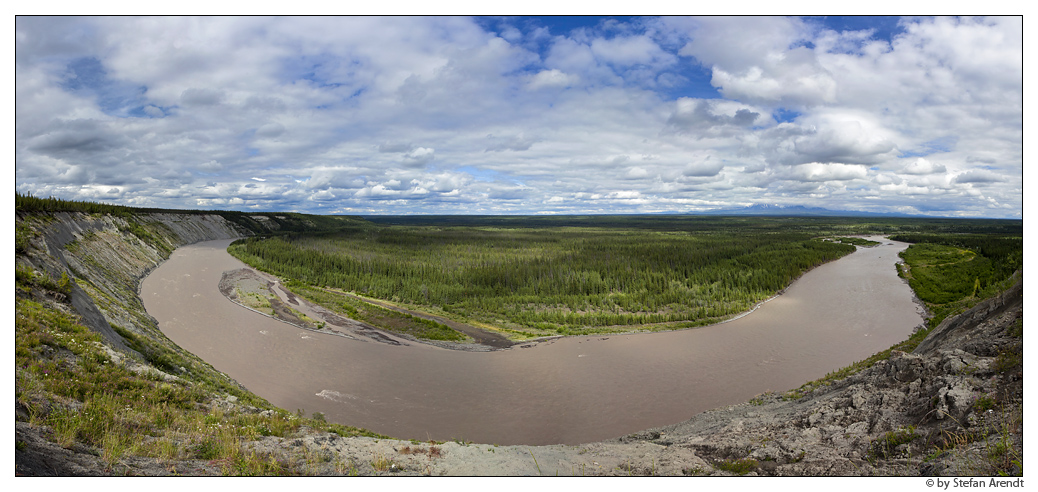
796 210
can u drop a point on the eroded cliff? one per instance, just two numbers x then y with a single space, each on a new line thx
953 406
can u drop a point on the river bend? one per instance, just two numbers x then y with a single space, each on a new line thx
567 391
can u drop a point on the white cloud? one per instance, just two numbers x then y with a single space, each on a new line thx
637 173
706 168
633 50
828 172
846 136
978 176
757 59
211 166
516 143
923 166
374 113
420 156
552 78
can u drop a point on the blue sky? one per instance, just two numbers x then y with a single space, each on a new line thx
523 115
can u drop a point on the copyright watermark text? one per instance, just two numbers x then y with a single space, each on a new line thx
955 483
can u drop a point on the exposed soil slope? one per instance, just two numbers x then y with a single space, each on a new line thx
952 407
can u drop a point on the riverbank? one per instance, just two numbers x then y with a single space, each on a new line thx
254 289
561 391
973 371
952 407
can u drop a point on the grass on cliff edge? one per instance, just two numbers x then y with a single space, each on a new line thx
65 381
845 372
948 280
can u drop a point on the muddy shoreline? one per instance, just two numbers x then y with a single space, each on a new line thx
836 430
252 281
562 390
247 279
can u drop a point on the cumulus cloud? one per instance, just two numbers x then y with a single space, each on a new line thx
704 169
520 115
211 166
420 156
552 78
636 173
923 166
337 177
828 172
841 136
767 66
978 176
710 117
630 50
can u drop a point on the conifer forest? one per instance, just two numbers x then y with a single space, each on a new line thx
538 276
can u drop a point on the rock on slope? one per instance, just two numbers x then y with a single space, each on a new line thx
109 255
952 407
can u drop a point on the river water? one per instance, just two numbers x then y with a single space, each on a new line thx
567 391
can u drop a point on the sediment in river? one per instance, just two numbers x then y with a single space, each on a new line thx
564 391
836 430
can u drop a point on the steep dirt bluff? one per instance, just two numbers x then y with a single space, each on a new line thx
953 406
109 255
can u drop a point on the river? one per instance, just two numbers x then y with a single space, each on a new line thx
568 391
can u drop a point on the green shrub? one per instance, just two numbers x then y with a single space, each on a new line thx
738 467
984 403
885 445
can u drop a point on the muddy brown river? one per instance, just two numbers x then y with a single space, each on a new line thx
567 391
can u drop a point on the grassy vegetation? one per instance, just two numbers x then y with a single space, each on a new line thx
66 381
986 448
168 405
555 280
25 278
857 241
952 272
534 276
738 467
375 315
886 445
949 280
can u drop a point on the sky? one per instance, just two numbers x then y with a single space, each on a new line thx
523 115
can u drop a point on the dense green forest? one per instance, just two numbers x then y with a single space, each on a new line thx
572 275
547 280
950 272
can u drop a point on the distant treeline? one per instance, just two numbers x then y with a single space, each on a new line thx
717 223
28 203
559 279
274 223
